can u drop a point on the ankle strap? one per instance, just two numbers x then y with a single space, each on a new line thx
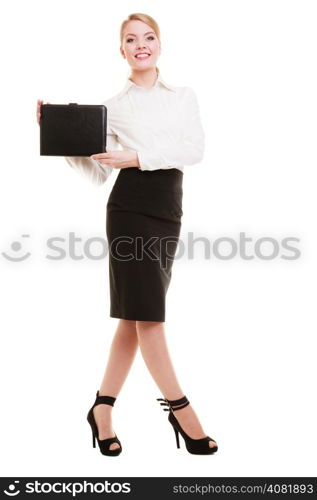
106 400
180 403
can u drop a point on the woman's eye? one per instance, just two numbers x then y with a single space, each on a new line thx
151 37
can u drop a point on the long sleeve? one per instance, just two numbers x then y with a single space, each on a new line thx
94 171
189 150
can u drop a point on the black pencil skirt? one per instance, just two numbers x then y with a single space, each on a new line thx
143 224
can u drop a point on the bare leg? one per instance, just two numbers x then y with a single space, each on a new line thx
153 346
122 353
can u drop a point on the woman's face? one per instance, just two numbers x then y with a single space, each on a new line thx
139 37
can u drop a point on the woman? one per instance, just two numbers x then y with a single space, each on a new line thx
159 128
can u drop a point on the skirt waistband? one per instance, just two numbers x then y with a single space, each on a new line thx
170 179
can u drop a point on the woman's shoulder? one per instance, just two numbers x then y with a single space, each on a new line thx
186 94
184 91
110 102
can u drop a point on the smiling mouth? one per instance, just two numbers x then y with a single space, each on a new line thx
143 56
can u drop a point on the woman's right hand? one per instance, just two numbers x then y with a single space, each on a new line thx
38 109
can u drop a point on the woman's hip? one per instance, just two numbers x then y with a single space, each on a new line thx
156 193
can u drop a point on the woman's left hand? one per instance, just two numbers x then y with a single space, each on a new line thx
118 159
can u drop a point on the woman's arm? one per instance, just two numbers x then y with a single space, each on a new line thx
89 168
93 170
117 159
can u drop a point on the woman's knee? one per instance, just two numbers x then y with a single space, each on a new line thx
146 326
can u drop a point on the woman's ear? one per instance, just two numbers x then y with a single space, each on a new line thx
122 52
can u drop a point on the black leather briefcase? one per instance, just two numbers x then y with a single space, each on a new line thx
73 129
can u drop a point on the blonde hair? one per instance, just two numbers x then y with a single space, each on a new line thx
145 18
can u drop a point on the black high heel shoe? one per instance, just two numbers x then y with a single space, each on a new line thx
195 446
104 444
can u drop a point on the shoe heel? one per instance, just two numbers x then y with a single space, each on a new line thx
177 437
194 446
103 443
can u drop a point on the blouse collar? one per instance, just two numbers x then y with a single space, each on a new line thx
130 83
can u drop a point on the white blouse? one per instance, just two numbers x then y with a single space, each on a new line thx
162 124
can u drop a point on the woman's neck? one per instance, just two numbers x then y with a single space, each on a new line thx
144 79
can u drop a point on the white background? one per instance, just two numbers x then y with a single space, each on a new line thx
242 333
